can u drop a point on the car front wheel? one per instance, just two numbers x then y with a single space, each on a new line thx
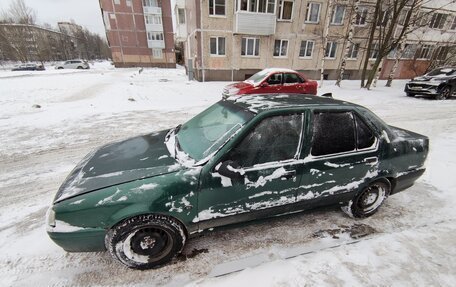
146 241
368 201
444 93
410 95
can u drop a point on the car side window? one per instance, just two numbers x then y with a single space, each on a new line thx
275 79
364 136
290 78
273 139
333 132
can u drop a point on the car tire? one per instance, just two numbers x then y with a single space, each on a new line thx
79 68
410 94
444 93
369 200
60 68
146 241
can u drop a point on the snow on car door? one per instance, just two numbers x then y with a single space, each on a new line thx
267 160
343 156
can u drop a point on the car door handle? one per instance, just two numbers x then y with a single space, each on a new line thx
288 174
373 159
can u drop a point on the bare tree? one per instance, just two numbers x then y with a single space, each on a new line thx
351 32
325 40
19 13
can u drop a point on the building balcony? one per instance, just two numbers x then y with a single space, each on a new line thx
255 23
154 27
152 10
156 44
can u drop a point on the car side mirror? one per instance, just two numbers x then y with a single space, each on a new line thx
264 85
327 95
230 169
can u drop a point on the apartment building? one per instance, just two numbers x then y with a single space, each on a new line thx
139 32
231 40
29 42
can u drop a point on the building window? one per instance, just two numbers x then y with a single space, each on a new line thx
285 10
155 36
157 53
374 51
353 51
404 14
154 19
383 18
409 51
337 16
306 49
361 16
425 52
250 47
151 3
217 46
280 48
217 7
128 2
313 12
181 15
441 52
438 20
330 51
257 6
117 2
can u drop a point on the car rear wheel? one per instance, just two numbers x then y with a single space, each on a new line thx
369 200
59 68
444 93
146 241
79 67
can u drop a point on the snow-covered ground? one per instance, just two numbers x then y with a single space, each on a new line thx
409 242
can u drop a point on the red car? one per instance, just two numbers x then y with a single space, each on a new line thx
273 80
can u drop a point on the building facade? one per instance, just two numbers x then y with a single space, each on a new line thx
139 32
27 42
231 40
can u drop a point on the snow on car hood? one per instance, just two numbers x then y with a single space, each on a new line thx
116 163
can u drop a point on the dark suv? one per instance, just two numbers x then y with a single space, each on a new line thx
439 83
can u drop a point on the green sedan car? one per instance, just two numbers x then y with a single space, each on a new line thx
239 160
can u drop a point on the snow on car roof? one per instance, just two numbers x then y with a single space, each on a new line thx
273 70
261 102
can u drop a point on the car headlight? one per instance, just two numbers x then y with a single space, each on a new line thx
50 217
438 80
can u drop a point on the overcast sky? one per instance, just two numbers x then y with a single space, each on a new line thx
86 13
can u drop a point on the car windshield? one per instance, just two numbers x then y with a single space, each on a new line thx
443 72
209 130
258 77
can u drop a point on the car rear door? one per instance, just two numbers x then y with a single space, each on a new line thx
342 156
266 158
292 83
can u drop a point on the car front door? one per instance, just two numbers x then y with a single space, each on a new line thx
272 84
342 155
265 167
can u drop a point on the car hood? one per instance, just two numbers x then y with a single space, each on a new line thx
426 78
120 162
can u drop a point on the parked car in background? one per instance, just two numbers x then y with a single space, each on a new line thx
241 159
29 67
73 64
439 83
273 80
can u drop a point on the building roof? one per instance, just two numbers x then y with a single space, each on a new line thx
263 102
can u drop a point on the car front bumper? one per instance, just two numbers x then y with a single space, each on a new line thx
85 240
422 88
